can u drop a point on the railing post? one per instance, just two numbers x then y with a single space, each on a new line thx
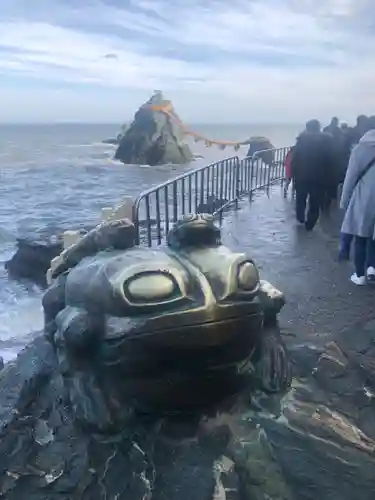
237 179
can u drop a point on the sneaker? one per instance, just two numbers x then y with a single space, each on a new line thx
358 280
370 275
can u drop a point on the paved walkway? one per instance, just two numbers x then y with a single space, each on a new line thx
320 297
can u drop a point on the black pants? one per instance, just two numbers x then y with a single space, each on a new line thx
329 194
308 196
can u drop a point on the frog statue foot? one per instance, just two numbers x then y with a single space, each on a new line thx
132 336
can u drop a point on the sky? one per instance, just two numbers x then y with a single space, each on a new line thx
219 61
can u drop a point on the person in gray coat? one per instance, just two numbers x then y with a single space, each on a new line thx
358 201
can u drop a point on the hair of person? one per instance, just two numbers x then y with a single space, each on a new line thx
313 126
361 118
371 122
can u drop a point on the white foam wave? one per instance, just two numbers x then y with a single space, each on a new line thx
21 316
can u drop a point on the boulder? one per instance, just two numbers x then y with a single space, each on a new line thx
261 144
112 141
154 137
33 258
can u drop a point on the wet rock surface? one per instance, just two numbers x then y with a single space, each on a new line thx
32 259
317 441
45 455
153 138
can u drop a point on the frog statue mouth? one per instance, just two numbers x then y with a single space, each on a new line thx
131 323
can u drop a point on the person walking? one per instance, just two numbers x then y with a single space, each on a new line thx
361 127
313 170
338 138
333 128
288 171
358 201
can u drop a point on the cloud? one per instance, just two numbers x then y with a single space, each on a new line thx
238 61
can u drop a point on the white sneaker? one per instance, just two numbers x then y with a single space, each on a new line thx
371 275
358 280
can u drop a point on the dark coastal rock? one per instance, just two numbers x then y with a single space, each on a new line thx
45 454
32 259
153 138
112 141
115 141
264 145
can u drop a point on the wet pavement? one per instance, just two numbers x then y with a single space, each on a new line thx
321 300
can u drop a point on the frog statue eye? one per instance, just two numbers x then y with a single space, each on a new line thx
151 287
247 276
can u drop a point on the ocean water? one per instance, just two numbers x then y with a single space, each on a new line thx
56 177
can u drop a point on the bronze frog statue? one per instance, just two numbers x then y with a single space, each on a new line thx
164 329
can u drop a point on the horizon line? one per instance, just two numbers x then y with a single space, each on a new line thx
119 124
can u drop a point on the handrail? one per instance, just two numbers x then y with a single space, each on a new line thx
211 188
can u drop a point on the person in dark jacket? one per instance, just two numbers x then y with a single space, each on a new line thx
333 128
341 162
313 169
359 130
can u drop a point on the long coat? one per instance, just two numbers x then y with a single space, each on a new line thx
358 199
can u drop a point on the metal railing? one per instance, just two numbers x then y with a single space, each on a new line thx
211 189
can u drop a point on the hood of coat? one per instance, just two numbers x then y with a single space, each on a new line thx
368 138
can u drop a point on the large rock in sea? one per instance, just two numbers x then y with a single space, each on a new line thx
33 258
263 147
154 138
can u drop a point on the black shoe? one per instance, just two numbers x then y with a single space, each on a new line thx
309 226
